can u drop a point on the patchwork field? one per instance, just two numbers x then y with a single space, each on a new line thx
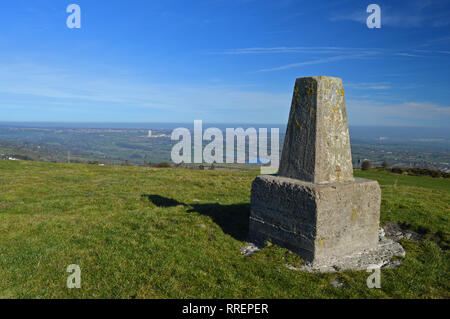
177 233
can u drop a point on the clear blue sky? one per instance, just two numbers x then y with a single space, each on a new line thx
221 60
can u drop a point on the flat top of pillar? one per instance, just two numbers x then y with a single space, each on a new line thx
319 78
281 179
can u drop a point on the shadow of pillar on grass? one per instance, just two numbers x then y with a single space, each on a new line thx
161 201
233 219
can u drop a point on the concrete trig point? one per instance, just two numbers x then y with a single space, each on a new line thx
315 207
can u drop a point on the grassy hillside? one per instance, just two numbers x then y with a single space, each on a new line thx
177 233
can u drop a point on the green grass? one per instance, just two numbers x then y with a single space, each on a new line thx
177 233
420 203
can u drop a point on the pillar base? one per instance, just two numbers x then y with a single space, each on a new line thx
323 223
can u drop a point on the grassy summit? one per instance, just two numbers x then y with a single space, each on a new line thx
177 233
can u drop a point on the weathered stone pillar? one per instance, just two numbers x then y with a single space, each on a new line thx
317 144
314 206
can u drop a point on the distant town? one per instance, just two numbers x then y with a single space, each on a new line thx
142 147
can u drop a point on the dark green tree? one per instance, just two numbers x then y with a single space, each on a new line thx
365 166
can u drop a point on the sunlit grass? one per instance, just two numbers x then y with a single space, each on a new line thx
177 233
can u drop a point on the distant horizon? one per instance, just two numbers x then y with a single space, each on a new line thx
356 131
204 122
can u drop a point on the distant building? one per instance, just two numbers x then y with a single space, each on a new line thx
150 135
6 157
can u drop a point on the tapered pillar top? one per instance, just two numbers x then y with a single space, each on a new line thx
317 143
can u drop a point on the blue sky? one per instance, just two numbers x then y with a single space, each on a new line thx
221 60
